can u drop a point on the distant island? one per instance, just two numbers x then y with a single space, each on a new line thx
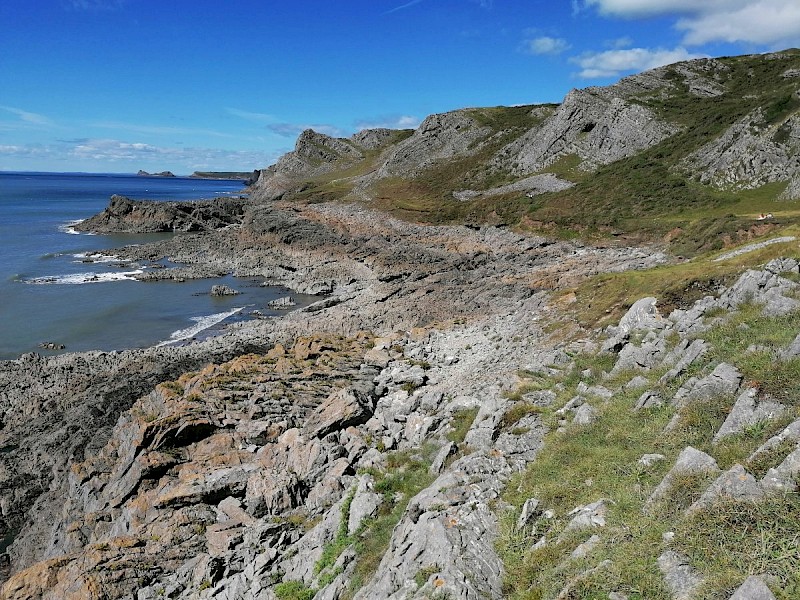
162 174
244 176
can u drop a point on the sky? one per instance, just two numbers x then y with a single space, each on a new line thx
115 86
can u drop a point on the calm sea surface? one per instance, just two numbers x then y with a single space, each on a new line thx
44 293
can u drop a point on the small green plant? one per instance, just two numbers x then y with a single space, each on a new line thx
422 576
461 423
293 590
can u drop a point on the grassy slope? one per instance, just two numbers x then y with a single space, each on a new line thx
600 461
641 198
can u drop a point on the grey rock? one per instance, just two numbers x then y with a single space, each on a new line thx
589 516
686 354
223 290
734 484
682 580
724 380
649 399
689 461
747 411
791 433
643 357
648 460
445 452
365 503
342 408
636 382
793 350
585 415
530 510
753 247
770 290
784 477
584 549
783 265
753 588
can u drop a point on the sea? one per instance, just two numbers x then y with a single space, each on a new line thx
53 291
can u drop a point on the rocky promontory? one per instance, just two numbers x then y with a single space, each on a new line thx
124 215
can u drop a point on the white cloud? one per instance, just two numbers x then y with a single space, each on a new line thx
389 122
619 43
27 117
545 45
769 22
649 8
403 6
100 154
612 63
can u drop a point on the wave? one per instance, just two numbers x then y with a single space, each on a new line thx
69 227
95 257
79 278
201 323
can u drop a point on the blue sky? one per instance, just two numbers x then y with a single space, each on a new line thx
122 85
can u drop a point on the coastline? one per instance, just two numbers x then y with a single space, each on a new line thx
463 282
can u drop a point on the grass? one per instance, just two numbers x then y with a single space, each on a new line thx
735 538
604 298
406 475
460 424
600 460
293 590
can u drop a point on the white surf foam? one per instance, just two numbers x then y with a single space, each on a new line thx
95 257
201 323
79 278
70 227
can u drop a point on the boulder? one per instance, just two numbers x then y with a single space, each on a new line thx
341 409
223 290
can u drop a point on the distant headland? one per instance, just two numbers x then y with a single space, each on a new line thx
162 174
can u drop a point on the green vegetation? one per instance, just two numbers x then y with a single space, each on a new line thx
406 475
604 298
461 423
293 590
600 460
646 196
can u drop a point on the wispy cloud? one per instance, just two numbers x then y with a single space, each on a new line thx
545 45
613 63
389 122
158 129
115 151
28 117
402 6
292 130
110 154
250 116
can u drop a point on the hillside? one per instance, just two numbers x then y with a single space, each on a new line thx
556 355
690 153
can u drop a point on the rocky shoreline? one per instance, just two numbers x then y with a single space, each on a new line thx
439 424
382 275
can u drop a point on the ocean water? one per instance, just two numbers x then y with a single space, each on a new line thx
49 292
